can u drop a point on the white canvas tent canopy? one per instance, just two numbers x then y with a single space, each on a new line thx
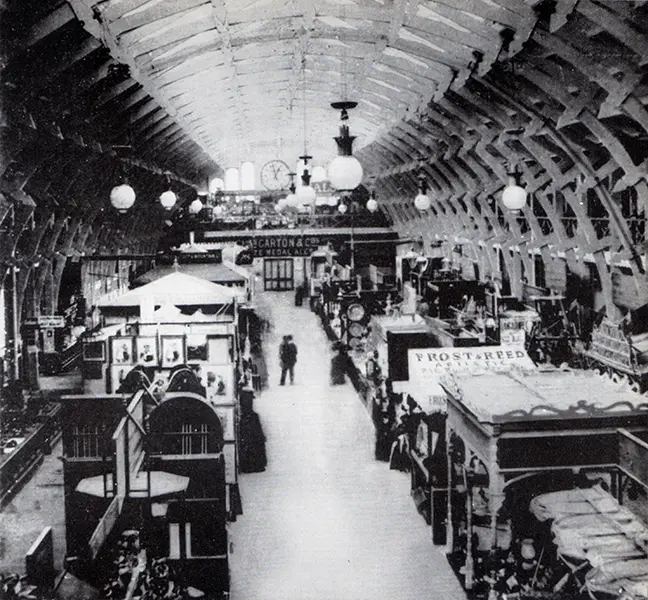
177 289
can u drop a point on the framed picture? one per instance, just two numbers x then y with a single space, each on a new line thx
196 347
117 375
219 382
122 350
146 350
94 350
173 350
229 452
219 350
226 416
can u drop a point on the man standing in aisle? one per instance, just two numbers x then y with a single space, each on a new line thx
287 358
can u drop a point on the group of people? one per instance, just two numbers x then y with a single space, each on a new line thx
396 420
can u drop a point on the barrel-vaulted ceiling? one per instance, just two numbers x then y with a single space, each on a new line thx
170 92
254 79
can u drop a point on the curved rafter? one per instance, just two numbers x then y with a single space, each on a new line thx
186 86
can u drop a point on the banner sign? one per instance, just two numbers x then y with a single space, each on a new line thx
428 367
434 361
277 246
45 322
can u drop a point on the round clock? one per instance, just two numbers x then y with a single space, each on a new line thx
274 175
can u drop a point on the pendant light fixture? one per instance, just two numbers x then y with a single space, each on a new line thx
168 198
514 196
291 199
318 175
372 204
422 200
342 208
122 197
306 194
345 171
196 206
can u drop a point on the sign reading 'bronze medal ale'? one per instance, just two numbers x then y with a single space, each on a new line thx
272 246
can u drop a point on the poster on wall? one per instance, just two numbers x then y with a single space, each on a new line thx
218 381
146 350
196 347
219 350
122 350
172 350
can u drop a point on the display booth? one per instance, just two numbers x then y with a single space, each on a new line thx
176 320
512 435
156 469
177 334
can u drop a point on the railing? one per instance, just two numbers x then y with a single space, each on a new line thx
71 357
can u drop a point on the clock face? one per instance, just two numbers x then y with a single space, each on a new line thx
274 175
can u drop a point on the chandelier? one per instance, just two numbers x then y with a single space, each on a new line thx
345 171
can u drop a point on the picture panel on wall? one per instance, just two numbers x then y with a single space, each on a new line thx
173 350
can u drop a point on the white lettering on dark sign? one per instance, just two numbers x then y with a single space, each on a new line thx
263 247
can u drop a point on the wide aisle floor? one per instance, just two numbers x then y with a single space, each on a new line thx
325 521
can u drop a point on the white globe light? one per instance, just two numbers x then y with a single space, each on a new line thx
342 208
306 194
122 197
195 207
514 197
345 172
318 175
291 200
422 202
372 205
168 199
